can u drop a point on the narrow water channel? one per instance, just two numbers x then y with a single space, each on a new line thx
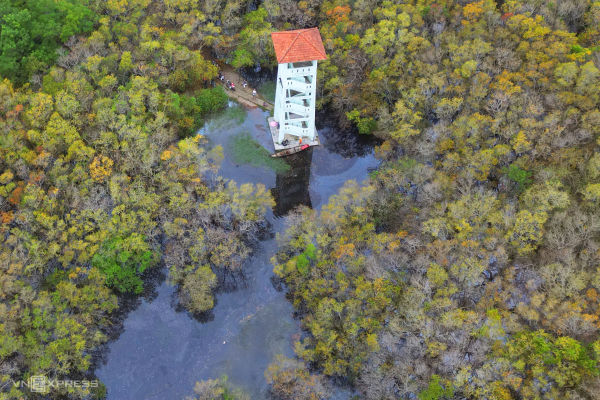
162 351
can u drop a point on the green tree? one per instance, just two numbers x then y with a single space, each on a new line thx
123 260
254 41
32 30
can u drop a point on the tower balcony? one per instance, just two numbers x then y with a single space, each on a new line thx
296 130
298 86
300 72
296 109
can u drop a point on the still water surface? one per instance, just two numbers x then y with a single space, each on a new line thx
162 351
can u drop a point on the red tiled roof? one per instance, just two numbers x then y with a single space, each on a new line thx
298 45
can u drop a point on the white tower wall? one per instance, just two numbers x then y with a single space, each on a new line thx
295 98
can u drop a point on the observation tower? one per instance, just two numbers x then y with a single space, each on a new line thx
297 53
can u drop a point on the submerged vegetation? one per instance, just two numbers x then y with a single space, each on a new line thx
246 150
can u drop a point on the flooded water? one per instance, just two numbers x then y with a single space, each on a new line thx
162 351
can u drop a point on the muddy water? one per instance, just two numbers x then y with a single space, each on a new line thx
162 351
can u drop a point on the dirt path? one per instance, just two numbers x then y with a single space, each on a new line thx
241 94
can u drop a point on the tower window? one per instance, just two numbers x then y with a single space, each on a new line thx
301 64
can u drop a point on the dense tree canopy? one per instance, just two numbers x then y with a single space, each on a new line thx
466 267
103 178
31 31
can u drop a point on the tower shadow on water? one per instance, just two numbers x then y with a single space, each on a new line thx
291 187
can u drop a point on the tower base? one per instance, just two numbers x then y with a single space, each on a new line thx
293 141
